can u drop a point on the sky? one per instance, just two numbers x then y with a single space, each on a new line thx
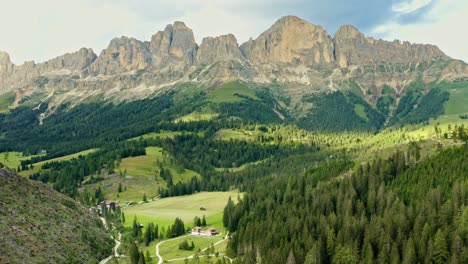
41 30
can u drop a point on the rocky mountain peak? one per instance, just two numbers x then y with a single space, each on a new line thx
221 48
291 40
354 48
175 43
122 55
4 58
75 61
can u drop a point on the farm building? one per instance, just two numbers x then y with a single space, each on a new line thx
197 231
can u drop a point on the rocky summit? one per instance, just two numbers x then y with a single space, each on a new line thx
301 57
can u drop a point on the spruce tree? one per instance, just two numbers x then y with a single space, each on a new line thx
439 252
134 253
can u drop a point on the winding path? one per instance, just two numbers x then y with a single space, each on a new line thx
117 244
189 257
162 242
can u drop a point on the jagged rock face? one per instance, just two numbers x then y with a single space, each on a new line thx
291 40
175 44
123 55
76 61
353 48
6 67
299 56
222 48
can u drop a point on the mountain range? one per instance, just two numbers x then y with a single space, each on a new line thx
299 56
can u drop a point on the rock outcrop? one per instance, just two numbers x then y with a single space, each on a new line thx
291 40
353 48
122 55
222 48
175 44
76 61
6 67
293 53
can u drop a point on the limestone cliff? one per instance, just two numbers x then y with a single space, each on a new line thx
222 48
122 55
293 53
291 40
175 44
353 48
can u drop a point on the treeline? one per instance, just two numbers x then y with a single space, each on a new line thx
336 112
67 176
356 217
416 107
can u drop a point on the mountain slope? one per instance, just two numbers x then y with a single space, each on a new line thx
40 225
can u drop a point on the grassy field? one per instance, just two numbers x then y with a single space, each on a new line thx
162 134
141 176
458 101
14 159
38 165
196 116
164 211
227 134
6 100
228 93
170 249
360 111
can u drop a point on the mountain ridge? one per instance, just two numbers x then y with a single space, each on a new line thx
300 56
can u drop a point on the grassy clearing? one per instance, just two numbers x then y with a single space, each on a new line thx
228 134
141 176
6 100
458 101
359 109
162 134
14 159
229 93
38 165
164 211
243 167
196 116
170 249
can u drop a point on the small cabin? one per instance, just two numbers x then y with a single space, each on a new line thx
212 231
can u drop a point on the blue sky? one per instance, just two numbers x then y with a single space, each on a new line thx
40 30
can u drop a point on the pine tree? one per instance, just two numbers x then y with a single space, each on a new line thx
148 256
144 198
141 258
313 256
203 222
409 255
147 236
439 252
134 253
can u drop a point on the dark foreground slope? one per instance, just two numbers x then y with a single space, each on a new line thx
40 225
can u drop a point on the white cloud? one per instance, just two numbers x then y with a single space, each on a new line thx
444 26
410 6
40 30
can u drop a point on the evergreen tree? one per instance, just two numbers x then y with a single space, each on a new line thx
203 222
134 253
141 258
439 253
409 255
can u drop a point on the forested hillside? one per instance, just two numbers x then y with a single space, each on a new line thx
387 211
